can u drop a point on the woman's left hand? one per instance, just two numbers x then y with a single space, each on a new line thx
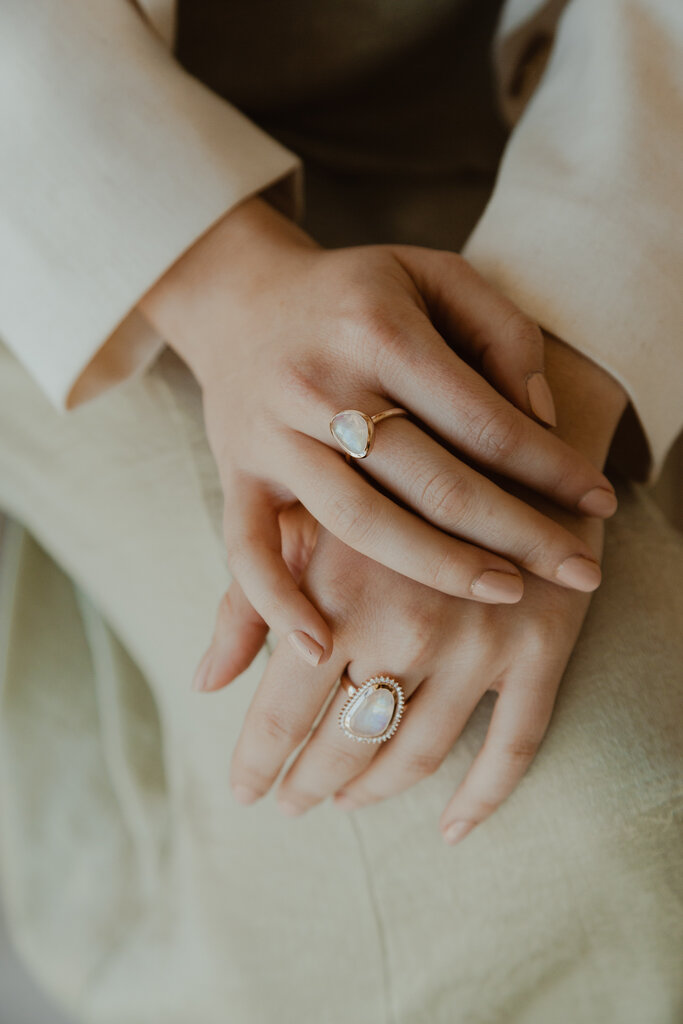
446 653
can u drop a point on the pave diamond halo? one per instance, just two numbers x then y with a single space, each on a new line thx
373 710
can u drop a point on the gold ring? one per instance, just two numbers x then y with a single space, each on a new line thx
373 710
354 431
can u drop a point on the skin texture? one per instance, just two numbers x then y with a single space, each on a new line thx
282 334
447 651
412 569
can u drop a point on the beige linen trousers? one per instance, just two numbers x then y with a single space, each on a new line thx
136 889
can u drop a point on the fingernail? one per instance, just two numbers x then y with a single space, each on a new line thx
541 398
580 573
344 802
201 676
457 830
498 587
598 502
245 794
306 646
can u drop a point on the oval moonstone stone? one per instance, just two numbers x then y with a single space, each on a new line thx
372 713
351 429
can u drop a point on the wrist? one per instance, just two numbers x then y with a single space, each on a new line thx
230 262
589 401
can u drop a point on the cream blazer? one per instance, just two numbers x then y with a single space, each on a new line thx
115 160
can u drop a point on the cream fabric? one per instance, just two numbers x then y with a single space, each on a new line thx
584 227
114 161
138 891
117 161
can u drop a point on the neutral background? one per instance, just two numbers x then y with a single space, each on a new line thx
20 1002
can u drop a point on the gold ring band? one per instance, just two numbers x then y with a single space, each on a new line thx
373 710
354 431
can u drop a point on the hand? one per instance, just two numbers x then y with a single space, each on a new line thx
446 651
282 334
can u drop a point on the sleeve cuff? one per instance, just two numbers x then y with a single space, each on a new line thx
582 230
120 161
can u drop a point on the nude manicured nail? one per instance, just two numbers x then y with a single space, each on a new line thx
306 646
580 573
498 587
201 676
457 830
541 399
598 502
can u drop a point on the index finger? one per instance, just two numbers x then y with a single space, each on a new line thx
283 710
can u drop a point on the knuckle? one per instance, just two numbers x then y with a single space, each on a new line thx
482 809
540 634
568 473
301 382
274 725
377 329
417 628
226 612
446 496
445 574
495 434
521 750
419 764
350 519
340 762
519 331
533 550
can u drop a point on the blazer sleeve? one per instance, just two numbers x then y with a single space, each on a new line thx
114 162
584 227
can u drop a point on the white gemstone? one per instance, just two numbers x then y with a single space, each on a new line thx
372 713
351 430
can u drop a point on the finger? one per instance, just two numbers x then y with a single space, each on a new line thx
356 513
422 374
433 719
458 499
508 345
238 636
254 545
283 710
330 758
519 722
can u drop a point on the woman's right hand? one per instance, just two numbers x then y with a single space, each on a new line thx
282 334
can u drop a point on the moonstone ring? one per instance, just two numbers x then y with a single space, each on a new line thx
373 710
354 431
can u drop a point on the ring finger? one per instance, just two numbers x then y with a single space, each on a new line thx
331 758
434 719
